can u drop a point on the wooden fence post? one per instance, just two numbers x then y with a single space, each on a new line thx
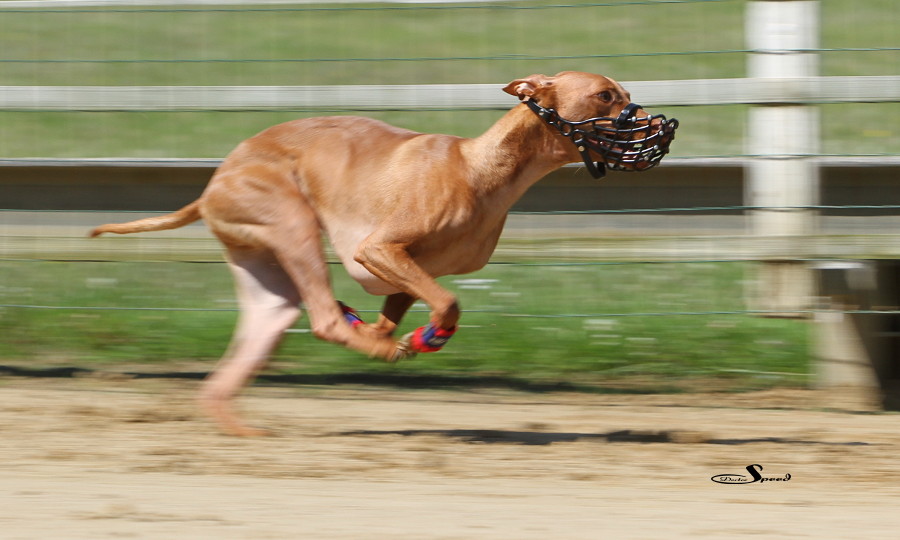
782 178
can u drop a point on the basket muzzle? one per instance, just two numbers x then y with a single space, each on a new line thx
624 143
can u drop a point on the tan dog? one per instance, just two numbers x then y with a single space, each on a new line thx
400 208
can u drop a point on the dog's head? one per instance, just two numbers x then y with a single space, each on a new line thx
598 116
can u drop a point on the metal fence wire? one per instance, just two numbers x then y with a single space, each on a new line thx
151 79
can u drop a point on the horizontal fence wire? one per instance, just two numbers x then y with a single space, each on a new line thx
503 57
602 211
713 209
369 59
498 264
15 7
758 312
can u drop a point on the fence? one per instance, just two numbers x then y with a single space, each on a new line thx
149 80
195 96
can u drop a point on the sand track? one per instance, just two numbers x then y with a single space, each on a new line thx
96 458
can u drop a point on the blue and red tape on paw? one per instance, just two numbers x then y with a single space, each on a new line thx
350 315
430 339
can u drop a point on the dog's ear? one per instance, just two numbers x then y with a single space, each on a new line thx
528 87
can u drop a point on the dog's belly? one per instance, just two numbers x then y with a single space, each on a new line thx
345 242
369 282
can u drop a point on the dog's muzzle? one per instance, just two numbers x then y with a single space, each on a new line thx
624 143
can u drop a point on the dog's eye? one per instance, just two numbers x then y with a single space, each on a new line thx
605 96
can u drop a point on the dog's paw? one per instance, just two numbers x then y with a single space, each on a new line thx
427 339
350 315
403 351
393 351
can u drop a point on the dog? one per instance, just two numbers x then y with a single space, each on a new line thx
399 208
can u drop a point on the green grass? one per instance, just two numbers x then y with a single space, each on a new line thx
514 328
380 45
575 324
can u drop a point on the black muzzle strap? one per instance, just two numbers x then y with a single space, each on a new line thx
597 169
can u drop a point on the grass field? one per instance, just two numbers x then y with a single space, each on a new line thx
397 44
612 334
593 325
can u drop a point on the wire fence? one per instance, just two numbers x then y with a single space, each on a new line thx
552 289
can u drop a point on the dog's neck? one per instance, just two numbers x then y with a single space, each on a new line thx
513 154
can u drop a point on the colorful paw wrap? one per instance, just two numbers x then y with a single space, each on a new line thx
430 339
350 315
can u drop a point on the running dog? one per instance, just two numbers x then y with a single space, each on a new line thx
400 208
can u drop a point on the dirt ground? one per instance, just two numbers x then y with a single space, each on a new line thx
93 458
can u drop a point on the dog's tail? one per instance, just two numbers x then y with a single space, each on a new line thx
179 218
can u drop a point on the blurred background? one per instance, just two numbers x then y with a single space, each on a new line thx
760 253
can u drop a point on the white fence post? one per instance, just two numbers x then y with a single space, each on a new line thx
783 140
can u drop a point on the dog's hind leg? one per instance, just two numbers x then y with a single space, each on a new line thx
269 305
327 321
295 239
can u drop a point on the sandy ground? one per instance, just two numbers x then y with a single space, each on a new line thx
98 458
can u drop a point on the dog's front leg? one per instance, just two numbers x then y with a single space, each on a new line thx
391 262
395 307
